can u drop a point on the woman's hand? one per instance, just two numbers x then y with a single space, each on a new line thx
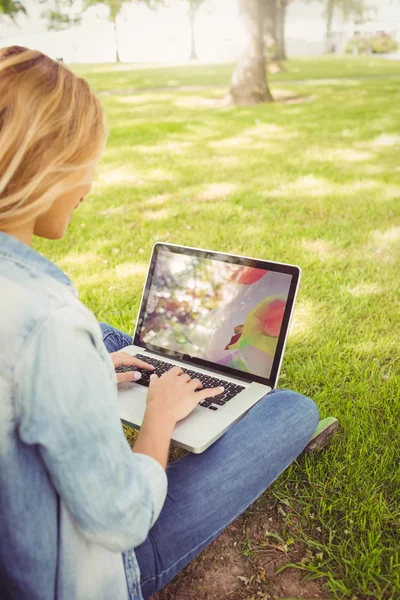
123 359
174 394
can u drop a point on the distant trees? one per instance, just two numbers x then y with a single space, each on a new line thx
194 6
11 8
114 8
356 8
263 27
249 81
59 17
274 19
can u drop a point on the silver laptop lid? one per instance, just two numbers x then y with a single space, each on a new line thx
228 313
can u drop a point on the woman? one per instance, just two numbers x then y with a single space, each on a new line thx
82 516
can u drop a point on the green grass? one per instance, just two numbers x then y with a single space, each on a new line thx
316 184
126 76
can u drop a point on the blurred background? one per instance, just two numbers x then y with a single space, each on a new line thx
208 30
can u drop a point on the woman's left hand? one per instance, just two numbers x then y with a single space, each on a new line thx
123 359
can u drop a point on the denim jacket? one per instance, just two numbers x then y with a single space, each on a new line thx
74 498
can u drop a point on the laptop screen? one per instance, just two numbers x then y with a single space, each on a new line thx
203 307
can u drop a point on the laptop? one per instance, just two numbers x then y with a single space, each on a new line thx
220 317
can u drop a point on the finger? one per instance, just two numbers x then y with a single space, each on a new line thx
153 379
128 376
176 371
186 377
209 393
196 384
126 360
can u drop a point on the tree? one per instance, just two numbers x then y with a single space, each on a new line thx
357 8
194 6
280 48
249 80
274 20
274 17
60 17
115 7
11 8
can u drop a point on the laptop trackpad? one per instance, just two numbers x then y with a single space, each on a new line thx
131 402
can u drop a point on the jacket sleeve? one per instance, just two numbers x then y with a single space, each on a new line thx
66 405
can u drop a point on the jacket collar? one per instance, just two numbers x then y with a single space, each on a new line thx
22 253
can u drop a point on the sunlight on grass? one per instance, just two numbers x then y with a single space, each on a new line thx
384 140
382 247
119 176
156 215
389 192
128 177
266 130
311 186
269 133
363 289
87 260
158 175
370 347
386 239
158 200
371 169
116 210
131 270
215 191
239 140
143 99
320 248
323 82
114 275
134 116
195 102
304 317
343 154
168 147
228 160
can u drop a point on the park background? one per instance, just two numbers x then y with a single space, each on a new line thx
312 179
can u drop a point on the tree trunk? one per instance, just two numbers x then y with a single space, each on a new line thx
330 8
116 41
269 17
249 80
280 52
192 15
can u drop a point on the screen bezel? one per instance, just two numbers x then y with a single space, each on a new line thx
292 270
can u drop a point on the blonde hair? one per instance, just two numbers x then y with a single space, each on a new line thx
52 129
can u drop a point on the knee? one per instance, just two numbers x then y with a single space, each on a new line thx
105 329
302 410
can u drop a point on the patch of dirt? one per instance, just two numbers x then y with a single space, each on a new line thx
242 563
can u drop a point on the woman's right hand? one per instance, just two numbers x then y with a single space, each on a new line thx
174 393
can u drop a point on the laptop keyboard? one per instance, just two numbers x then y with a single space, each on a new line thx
230 389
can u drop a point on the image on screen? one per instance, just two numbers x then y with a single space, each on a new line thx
220 312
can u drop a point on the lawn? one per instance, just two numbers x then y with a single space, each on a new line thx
313 183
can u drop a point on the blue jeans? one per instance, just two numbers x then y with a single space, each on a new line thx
208 491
